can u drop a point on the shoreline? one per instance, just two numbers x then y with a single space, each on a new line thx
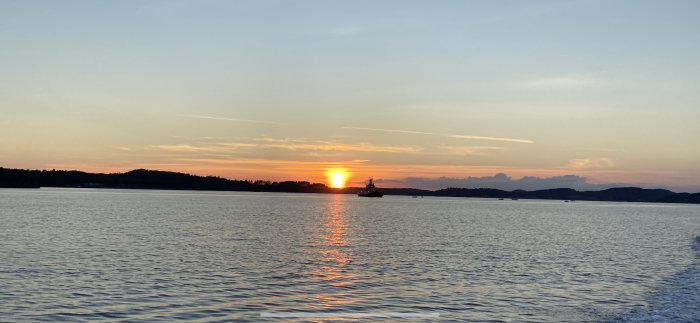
163 180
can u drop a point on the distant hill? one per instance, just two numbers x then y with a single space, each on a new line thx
153 179
618 194
146 179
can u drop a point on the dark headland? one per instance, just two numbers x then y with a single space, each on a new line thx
151 179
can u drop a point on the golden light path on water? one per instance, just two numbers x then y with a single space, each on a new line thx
334 259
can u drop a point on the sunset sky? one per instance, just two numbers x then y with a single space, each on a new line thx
287 90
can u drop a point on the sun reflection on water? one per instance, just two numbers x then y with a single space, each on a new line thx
336 278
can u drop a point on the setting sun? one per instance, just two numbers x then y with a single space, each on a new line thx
337 178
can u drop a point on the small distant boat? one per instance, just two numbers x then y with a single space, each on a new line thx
500 199
370 190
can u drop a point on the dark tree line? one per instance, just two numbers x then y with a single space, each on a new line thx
146 179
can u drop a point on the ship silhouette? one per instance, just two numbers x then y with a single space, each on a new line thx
370 190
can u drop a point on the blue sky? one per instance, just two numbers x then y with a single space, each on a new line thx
609 90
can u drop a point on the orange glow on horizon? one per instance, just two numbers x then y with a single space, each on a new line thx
391 175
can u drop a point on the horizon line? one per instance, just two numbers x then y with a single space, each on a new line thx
613 185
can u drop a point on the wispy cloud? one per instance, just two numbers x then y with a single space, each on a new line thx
469 150
214 148
348 31
522 141
560 82
362 147
614 150
288 145
267 162
279 140
157 8
390 130
232 119
591 163
471 137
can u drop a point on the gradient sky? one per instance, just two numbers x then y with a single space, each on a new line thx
609 90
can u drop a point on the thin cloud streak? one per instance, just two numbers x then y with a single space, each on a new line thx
270 162
232 119
561 82
522 141
219 148
347 147
469 150
591 163
293 146
391 130
516 140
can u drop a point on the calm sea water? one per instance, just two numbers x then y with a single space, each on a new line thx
81 254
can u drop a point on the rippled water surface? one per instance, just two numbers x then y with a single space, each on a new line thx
80 254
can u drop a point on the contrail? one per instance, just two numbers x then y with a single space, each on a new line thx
516 140
522 141
391 130
231 119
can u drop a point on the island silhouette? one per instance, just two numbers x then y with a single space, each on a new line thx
164 180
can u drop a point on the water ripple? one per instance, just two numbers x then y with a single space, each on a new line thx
230 257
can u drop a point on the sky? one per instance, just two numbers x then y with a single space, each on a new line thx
407 92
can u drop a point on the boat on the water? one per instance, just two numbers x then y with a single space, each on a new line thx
370 190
